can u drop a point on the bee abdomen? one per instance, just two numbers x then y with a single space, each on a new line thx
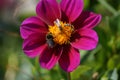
50 41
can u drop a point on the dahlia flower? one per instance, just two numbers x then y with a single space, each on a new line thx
58 32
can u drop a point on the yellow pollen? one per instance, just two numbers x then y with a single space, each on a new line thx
61 32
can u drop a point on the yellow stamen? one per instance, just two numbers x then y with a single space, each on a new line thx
61 32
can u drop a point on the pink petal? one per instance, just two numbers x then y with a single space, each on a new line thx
48 11
72 8
70 59
34 45
32 25
86 39
87 20
49 57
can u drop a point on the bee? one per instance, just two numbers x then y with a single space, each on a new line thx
50 41
69 25
57 22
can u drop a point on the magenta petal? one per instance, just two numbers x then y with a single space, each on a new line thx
49 57
32 25
87 20
70 59
72 8
48 11
34 45
86 39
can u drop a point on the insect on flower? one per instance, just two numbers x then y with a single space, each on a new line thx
58 32
57 22
50 40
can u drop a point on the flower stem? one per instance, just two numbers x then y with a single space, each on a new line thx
68 76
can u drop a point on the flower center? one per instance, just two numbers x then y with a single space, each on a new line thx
61 32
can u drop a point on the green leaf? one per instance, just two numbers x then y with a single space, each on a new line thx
115 24
86 3
53 74
81 73
104 78
103 37
114 62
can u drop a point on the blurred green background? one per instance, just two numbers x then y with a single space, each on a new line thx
102 63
